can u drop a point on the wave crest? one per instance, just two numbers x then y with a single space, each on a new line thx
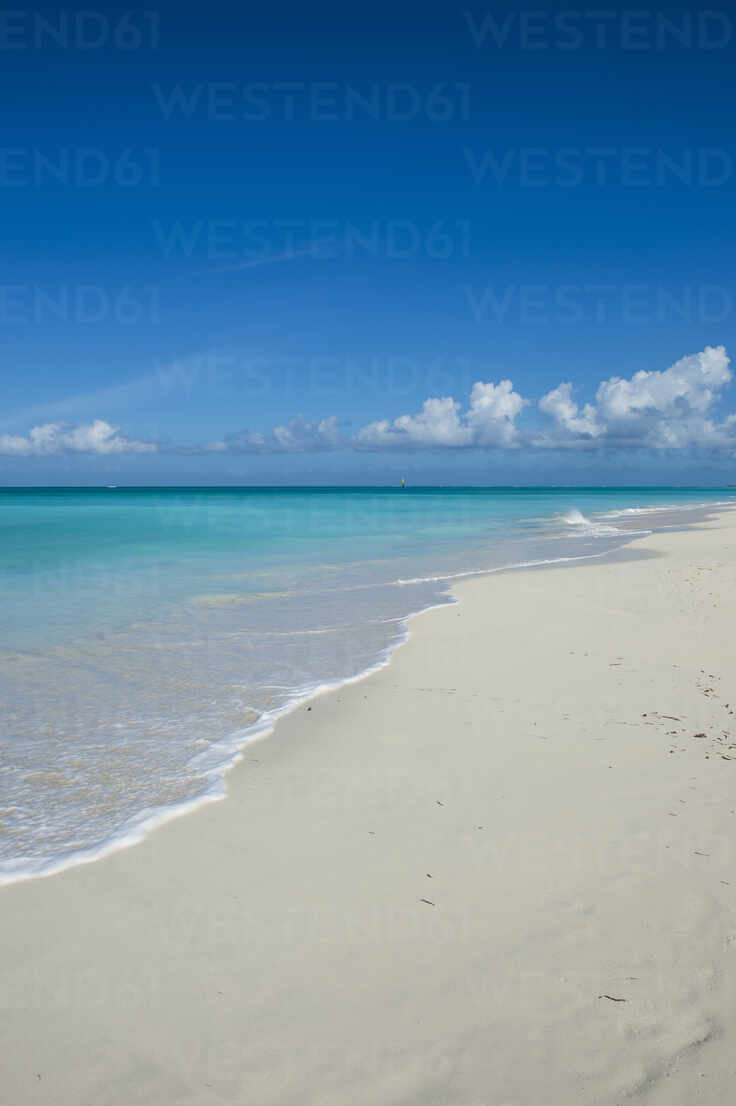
587 526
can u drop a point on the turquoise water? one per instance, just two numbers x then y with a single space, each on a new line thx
146 634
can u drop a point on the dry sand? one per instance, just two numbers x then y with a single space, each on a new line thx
500 872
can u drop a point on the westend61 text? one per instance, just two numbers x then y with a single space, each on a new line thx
22 30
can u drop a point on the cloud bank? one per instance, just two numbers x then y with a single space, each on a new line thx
660 410
295 436
654 410
55 437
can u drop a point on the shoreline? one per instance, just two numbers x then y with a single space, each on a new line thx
435 883
136 829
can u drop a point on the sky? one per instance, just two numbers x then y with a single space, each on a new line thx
340 244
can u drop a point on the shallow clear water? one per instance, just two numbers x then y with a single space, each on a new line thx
145 634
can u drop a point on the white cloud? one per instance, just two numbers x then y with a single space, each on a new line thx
437 424
489 421
654 410
55 437
295 436
561 407
492 413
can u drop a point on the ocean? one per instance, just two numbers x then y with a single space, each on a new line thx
146 634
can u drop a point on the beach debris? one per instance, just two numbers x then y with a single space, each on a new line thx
612 998
428 902
428 875
309 708
699 735
439 803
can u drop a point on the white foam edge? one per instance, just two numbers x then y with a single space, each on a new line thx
232 748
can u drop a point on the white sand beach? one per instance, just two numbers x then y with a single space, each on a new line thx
499 872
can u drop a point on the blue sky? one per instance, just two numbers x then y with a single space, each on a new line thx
248 246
